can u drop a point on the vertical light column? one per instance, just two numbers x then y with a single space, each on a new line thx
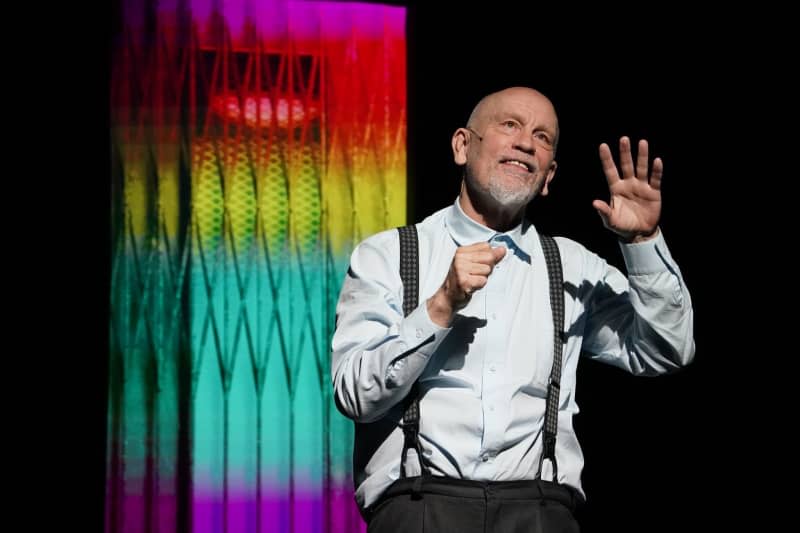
254 143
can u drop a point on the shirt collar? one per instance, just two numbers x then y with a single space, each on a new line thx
466 231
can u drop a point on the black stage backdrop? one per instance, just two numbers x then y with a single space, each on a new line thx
681 452
687 452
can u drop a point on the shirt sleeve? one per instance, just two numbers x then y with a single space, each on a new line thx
643 323
377 353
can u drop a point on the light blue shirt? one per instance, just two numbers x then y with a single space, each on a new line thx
483 381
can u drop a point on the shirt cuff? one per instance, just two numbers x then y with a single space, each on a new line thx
418 328
648 257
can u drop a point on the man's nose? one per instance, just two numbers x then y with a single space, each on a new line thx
524 143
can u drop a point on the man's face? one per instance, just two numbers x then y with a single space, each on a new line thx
515 159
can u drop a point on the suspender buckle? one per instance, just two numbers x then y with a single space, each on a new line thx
410 428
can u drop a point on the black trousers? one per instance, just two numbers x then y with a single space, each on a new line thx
433 504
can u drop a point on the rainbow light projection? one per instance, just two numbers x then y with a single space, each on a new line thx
254 142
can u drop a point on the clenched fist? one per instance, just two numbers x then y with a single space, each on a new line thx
469 271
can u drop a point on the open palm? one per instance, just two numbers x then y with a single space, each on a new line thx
635 204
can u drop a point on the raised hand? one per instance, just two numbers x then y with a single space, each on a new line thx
469 271
635 204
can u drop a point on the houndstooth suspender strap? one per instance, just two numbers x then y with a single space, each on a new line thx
409 274
555 276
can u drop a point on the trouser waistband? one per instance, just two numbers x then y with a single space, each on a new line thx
535 489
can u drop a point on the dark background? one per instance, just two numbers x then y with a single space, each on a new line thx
693 451
689 451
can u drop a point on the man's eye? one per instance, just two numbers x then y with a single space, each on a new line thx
510 124
542 137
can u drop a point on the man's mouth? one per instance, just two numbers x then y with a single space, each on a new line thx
517 162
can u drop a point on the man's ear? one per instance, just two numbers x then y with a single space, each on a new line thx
551 173
459 143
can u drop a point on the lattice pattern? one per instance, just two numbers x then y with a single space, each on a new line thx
254 143
556 288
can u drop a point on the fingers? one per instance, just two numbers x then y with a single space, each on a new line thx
477 269
609 168
499 253
658 171
475 283
640 171
471 267
477 260
625 158
481 252
641 161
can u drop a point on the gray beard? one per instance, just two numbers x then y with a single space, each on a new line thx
509 197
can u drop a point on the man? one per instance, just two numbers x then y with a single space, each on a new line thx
480 346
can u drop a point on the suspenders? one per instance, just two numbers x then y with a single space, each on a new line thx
409 274
555 276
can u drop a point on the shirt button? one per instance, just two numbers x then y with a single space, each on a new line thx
491 407
494 316
484 457
419 333
492 368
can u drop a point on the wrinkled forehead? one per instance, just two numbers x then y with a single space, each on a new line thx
529 106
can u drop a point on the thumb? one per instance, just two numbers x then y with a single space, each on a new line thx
603 209
498 253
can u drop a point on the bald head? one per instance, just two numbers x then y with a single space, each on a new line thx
495 103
